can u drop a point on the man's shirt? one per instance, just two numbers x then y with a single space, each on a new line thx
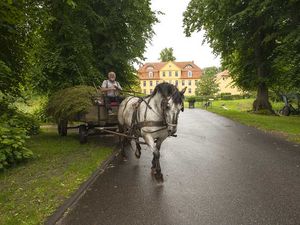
109 84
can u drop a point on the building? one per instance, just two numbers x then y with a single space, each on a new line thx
181 74
226 84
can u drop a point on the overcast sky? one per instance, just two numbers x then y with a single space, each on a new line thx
169 33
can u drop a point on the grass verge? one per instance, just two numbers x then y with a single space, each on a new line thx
286 126
32 191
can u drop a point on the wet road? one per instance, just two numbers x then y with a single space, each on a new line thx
216 172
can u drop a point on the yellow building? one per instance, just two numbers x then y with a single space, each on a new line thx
181 74
226 84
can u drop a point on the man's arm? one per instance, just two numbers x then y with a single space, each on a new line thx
118 86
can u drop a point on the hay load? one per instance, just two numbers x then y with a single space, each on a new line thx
67 104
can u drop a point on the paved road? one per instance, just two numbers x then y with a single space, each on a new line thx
216 172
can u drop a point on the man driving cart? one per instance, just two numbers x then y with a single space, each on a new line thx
111 88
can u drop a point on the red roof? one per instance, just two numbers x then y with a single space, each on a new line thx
155 67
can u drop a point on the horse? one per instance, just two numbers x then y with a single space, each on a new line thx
154 118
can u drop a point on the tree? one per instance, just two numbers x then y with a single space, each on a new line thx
86 39
12 41
251 37
207 85
167 55
211 71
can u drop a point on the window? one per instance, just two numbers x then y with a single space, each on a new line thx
150 91
183 83
157 82
144 83
150 68
150 82
189 66
176 73
190 82
196 82
190 90
164 74
170 73
150 74
176 83
190 73
145 91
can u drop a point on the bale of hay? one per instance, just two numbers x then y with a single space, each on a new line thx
68 103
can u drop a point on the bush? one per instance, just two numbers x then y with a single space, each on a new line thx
12 142
27 122
191 99
41 115
235 97
226 97
15 128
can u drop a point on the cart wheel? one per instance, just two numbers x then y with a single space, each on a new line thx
286 111
62 127
82 134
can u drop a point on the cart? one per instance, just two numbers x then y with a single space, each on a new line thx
97 121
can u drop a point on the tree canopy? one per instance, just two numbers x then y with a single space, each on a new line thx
257 41
207 85
167 55
50 45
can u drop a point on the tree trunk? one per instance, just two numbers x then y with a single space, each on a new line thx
262 99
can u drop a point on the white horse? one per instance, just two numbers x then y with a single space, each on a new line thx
154 118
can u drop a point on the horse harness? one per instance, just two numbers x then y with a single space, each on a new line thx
137 125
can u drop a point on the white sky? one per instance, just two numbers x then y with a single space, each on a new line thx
169 34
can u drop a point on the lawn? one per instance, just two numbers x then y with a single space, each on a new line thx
286 126
32 191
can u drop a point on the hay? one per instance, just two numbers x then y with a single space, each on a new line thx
66 104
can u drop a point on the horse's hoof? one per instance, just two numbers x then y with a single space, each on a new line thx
159 177
153 170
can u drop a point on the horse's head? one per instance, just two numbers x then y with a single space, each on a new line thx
172 103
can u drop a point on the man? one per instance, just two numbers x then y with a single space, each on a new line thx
111 88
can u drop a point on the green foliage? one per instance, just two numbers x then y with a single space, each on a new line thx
11 44
85 41
12 142
207 85
27 122
258 40
15 128
68 103
167 55
191 98
211 71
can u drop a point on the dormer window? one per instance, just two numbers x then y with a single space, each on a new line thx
150 68
190 73
188 66
150 74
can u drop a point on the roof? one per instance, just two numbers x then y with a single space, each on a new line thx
157 66
224 73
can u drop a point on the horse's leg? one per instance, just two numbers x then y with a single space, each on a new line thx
156 155
138 150
158 143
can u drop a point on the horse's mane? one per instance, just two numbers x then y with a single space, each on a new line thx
169 90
